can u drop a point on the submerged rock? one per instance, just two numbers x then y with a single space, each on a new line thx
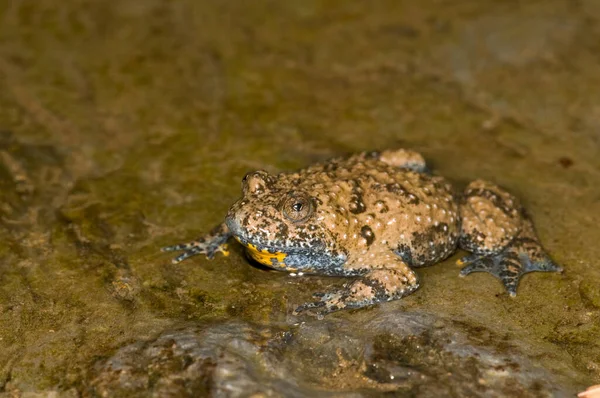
409 353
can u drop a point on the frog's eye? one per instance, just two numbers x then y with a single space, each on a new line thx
297 207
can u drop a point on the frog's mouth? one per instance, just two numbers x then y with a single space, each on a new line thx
263 256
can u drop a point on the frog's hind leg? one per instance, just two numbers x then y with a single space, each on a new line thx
215 241
500 236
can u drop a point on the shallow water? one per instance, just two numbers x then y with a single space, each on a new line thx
126 128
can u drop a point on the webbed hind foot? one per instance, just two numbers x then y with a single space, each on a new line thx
522 255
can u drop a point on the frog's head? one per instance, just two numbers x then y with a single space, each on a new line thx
278 223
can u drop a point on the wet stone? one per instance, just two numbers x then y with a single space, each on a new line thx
404 353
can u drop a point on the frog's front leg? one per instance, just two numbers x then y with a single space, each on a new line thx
209 244
391 280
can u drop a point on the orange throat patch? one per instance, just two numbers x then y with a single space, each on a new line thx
264 256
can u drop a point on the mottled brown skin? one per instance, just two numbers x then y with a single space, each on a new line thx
374 217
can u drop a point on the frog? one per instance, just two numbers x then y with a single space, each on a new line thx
374 218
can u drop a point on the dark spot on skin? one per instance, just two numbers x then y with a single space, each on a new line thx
380 293
382 206
399 189
403 251
367 233
356 205
565 162
423 253
395 188
493 197
376 187
470 242
443 186
282 232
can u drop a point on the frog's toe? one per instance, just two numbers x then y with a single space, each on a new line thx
520 257
174 248
475 264
328 302
187 254
308 307
470 259
210 249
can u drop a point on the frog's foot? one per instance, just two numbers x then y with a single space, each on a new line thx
524 254
209 245
378 285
